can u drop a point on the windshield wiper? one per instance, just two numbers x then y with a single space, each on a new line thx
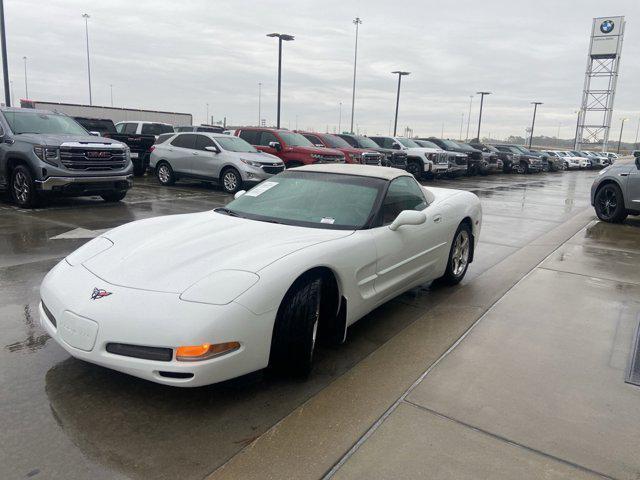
226 211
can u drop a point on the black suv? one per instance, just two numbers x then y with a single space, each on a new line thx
524 160
393 158
507 157
476 164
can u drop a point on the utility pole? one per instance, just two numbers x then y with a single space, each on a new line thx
340 118
26 84
357 21
637 131
461 124
576 141
533 122
620 137
287 38
469 117
5 66
259 102
86 29
400 75
206 119
482 94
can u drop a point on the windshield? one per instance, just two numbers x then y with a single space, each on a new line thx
407 142
465 147
427 144
450 144
294 139
365 142
235 144
336 142
319 200
43 123
521 149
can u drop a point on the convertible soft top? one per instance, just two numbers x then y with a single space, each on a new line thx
386 173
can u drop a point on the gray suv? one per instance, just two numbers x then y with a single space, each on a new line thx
212 157
43 153
615 193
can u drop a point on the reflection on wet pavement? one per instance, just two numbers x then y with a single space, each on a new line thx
69 419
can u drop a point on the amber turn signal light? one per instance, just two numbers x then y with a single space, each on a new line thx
205 351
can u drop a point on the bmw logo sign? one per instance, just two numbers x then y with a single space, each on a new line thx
607 26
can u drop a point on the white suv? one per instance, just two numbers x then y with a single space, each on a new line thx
144 128
420 160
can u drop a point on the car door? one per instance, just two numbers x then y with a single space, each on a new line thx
633 187
205 163
410 254
265 138
180 153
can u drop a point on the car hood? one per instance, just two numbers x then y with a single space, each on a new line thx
169 254
261 157
57 140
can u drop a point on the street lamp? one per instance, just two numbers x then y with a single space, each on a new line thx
400 75
26 85
469 117
86 29
482 94
533 122
356 22
282 37
620 138
5 67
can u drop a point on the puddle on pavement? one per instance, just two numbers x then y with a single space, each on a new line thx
34 340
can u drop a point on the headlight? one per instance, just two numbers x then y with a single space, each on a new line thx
356 157
251 163
431 156
47 154
89 250
220 287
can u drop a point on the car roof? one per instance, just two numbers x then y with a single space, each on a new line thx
385 173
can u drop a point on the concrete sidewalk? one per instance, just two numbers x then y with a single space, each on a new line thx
536 389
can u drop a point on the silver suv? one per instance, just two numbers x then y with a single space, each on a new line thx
222 159
615 193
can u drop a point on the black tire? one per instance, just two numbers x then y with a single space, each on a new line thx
414 167
139 168
230 180
113 197
455 272
164 174
296 327
609 204
23 188
522 167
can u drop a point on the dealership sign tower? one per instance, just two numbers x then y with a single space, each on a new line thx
603 62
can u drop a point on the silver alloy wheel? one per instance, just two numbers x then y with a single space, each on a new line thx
608 202
230 180
460 257
21 187
164 174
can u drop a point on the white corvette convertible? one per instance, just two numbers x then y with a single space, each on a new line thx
195 299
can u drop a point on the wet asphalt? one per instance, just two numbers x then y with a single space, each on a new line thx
63 418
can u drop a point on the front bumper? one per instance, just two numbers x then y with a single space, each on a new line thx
439 168
85 184
130 316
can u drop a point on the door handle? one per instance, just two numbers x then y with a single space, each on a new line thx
623 174
437 218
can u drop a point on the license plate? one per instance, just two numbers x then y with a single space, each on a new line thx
134 155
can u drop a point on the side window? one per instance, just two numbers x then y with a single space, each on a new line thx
130 128
185 140
378 140
120 127
403 194
350 140
266 137
250 136
313 139
389 142
203 141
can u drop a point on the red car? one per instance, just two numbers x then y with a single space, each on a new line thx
351 154
291 147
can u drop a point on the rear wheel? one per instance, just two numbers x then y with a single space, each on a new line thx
23 188
164 174
230 180
459 256
609 204
296 328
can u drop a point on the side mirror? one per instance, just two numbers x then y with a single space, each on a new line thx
211 148
239 193
275 145
94 133
408 217
396 146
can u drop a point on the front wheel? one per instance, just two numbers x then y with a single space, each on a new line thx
231 180
296 328
609 204
459 256
23 188
165 175
414 168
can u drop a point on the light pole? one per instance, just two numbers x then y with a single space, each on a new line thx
5 66
637 131
482 94
576 142
282 37
86 30
461 124
13 97
469 116
207 117
340 118
533 122
26 84
111 91
259 102
356 22
400 75
620 137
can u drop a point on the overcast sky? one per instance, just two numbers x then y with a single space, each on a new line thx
180 55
